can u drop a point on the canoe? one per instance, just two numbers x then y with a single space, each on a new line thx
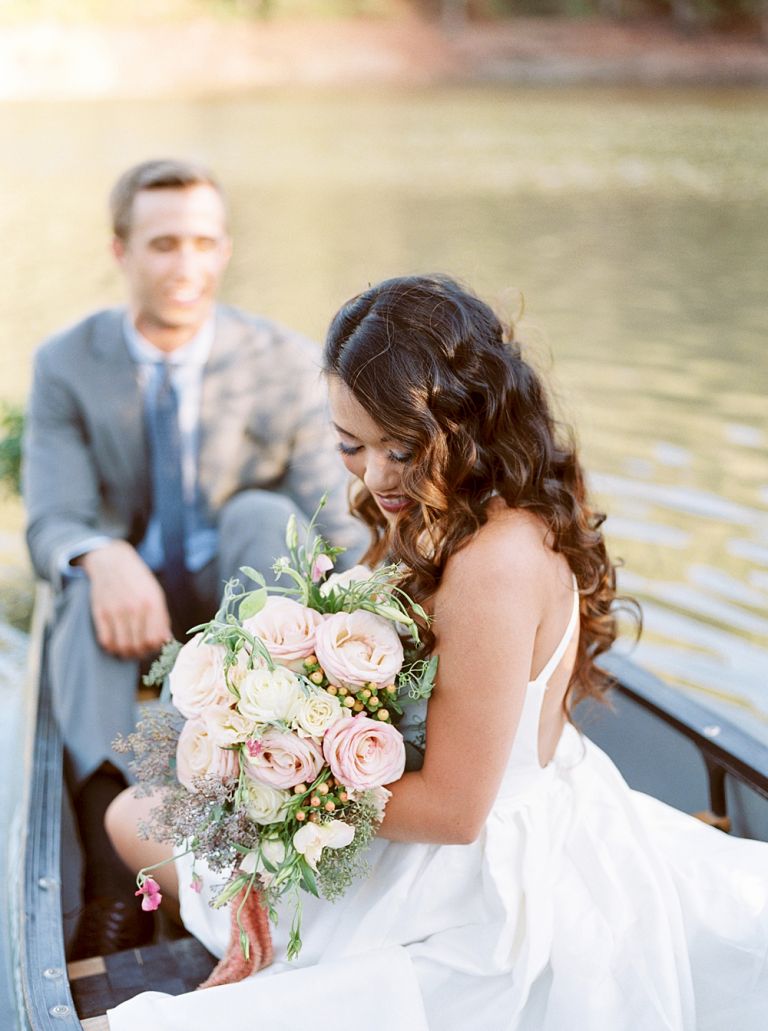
664 742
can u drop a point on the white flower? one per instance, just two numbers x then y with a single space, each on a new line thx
269 696
317 712
357 574
273 851
312 838
226 726
264 803
378 797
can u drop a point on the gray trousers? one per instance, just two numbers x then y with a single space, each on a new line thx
94 693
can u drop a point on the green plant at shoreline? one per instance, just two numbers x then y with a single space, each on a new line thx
688 15
11 429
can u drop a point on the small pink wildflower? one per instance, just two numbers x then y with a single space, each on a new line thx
254 747
197 883
322 565
150 889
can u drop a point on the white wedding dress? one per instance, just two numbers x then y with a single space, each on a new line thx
582 906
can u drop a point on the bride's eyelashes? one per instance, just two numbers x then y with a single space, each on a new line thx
352 449
395 456
348 449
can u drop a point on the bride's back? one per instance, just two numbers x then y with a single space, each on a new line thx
542 577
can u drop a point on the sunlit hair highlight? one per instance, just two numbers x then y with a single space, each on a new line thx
157 174
433 366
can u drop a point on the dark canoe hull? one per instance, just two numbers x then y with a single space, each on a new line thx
663 742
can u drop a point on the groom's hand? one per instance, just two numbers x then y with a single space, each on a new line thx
128 605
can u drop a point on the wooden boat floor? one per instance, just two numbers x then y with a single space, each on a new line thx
100 983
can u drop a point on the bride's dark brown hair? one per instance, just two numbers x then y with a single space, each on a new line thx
431 365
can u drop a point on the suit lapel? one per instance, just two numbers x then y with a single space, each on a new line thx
220 405
118 395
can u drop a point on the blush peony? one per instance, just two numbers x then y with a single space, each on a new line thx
287 630
197 678
198 756
357 648
283 760
363 753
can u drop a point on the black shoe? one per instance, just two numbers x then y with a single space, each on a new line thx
109 925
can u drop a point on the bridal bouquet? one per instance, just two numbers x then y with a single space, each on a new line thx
273 767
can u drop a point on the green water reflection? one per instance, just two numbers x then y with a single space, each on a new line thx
634 224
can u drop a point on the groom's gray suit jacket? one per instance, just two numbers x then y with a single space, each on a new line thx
262 425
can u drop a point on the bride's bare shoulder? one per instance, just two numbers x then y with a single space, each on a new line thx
510 545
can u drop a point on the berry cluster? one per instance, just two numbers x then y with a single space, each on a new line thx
370 698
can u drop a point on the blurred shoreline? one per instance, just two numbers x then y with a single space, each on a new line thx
49 60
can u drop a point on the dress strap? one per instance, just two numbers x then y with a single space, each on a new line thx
554 662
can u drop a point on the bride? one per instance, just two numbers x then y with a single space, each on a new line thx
517 882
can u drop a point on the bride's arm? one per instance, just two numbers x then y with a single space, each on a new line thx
486 614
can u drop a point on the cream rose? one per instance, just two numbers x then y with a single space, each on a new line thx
357 574
364 753
357 648
227 726
287 629
198 756
269 696
312 838
316 712
283 760
264 803
197 678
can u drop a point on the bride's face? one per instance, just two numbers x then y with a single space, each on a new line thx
367 450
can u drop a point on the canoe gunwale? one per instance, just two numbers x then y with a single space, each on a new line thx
725 748
46 998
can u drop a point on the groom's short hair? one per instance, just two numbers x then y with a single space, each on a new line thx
159 174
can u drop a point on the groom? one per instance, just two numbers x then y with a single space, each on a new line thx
167 443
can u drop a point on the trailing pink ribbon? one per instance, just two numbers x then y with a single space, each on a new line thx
254 920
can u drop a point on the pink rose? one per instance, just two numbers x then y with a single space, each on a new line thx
198 755
357 648
283 760
197 678
287 629
364 753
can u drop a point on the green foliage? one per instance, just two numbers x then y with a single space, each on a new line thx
11 429
687 14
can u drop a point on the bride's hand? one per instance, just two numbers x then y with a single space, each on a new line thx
129 609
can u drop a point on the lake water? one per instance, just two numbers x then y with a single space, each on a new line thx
633 224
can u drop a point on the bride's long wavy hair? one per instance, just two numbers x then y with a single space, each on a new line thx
432 365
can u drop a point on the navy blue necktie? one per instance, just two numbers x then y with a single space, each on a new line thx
168 490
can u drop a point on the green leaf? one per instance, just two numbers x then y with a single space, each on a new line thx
294 945
253 574
229 892
252 603
308 881
245 944
291 534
